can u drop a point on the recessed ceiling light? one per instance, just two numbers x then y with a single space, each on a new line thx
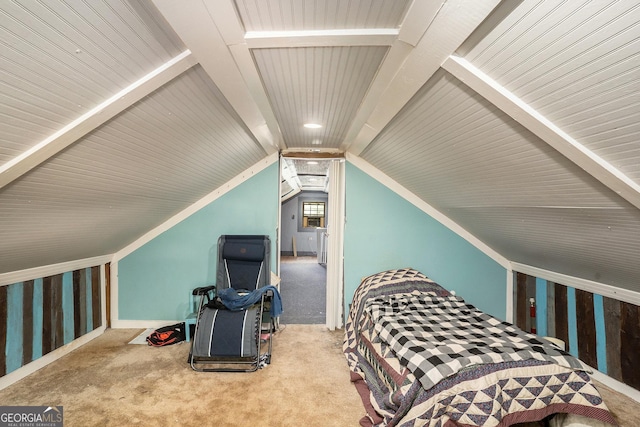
312 125
311 162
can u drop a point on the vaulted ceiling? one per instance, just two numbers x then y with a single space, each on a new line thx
518 120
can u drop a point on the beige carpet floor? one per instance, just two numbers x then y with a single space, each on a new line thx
108 382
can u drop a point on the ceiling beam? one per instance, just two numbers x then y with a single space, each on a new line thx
95 117
213 32
321 38
223 13
431 32
546 130
312 155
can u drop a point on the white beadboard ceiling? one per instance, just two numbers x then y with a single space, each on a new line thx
342 76
518 120
260 15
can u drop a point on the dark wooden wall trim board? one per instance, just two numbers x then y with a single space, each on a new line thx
601 331
96 309
613 332
585 323
525 289
38 316
562 316
521 304
27 316
630 344
3 330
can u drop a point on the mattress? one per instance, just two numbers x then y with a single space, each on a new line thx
420 356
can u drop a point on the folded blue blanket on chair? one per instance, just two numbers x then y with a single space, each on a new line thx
236 302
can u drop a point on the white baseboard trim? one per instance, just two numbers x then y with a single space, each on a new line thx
142 324
30 368
616 385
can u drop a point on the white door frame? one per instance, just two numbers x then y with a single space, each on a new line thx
335 245
335 242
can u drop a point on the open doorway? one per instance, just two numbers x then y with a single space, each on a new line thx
303 288
305 212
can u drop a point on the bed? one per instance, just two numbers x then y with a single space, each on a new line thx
421 356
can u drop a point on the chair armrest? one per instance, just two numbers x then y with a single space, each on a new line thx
203 290
267 295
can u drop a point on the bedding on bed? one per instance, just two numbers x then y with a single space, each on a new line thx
421 356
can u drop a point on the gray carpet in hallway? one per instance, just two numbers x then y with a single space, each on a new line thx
303 291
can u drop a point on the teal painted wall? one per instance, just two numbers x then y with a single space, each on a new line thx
384 231
155 281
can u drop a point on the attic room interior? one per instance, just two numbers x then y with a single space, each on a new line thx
478 152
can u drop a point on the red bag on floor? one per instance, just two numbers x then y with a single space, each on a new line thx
167 335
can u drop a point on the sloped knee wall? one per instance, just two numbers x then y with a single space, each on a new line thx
602 332
41 315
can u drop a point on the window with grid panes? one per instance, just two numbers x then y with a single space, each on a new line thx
313 214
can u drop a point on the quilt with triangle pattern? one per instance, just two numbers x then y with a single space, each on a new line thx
420 356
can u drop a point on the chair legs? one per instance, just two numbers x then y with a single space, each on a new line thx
231 341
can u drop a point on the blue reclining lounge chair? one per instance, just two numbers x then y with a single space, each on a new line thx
231 322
